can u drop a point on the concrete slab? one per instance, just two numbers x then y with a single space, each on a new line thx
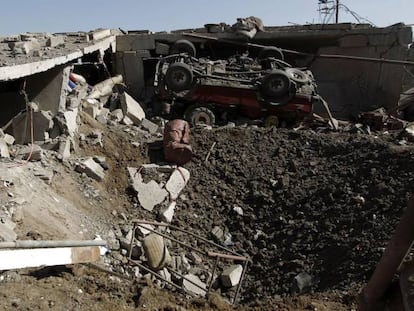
132 109
231 276
149 194
35 152
177 181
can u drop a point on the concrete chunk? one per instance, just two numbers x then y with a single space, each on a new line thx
71 121
231 276
177 181
64 148
149 194
117 115
167 214
132 109
91 169
103 116
188 285
149 126
8 139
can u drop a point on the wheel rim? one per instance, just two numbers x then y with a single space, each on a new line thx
202 118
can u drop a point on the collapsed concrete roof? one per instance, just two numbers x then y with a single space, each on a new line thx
30 53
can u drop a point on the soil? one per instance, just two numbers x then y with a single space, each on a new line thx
320 203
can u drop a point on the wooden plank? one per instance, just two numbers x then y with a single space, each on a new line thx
29 258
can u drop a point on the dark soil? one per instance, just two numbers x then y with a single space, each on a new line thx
300 194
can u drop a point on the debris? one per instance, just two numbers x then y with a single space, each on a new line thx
177 181
99 34
149 126
218 234
168 213
143 229
45 175
54 41
103 116
4 149
132 109
302 282
156 251
42 123
127 121
195 258
71 121
91 169
117 115
152 167
193 284
238 210
91 107
408 132
7 229
64 148
8 139
231 276
149 194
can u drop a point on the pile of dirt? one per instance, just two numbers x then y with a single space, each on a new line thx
321 204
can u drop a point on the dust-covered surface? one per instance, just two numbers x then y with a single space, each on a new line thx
300 193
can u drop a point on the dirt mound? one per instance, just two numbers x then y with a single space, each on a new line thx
323 204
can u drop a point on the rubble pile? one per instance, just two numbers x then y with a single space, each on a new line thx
313 211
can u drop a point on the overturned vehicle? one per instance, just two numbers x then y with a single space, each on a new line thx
206 91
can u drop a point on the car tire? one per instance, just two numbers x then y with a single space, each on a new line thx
275 85
183 46
200 115
270 51
179 77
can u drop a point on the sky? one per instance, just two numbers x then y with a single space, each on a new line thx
158 15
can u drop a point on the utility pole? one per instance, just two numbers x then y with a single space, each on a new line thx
337 12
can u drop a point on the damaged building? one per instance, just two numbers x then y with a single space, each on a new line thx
131 208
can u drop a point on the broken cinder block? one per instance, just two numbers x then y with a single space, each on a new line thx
167 214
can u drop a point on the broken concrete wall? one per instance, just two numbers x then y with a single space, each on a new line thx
47 89
348 86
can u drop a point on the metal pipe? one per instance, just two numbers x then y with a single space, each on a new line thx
236 296
394 254
51 244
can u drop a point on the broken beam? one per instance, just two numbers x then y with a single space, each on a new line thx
29 258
